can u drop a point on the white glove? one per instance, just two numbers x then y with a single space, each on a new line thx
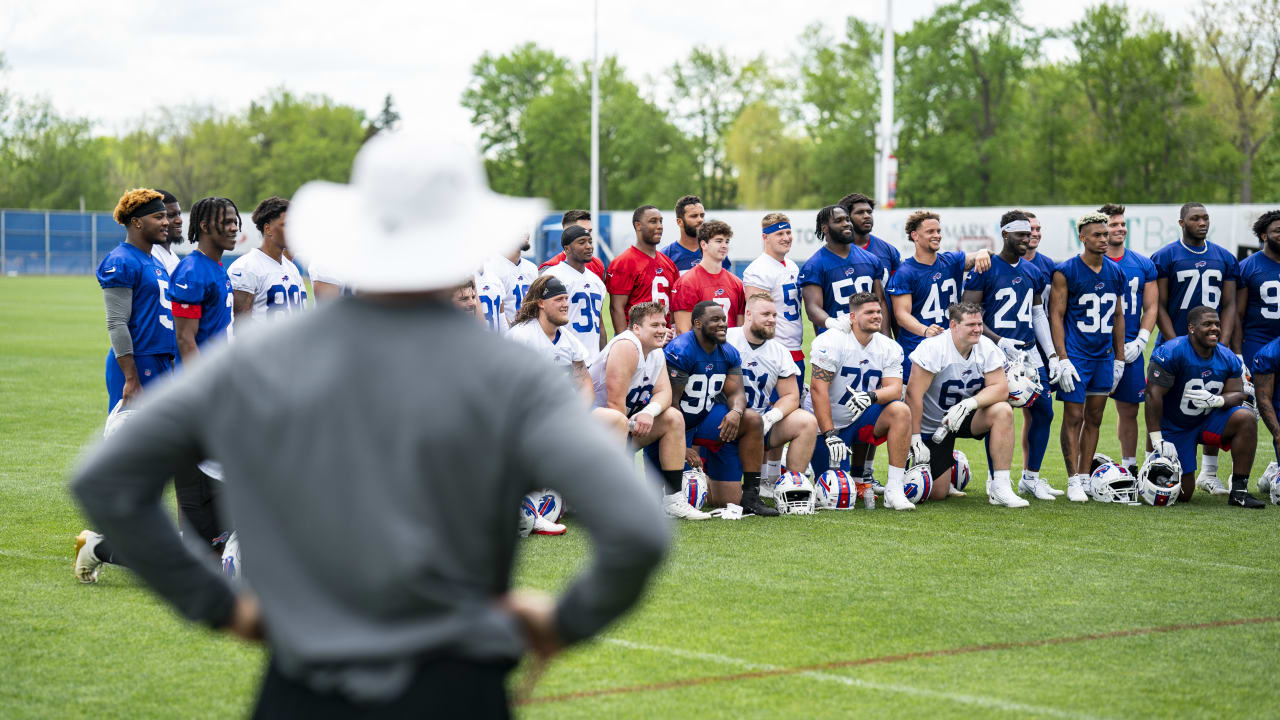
1055 368
1133 349
1067 375
836 448
919 450
1117 370
958 412
840 323
1203 399
1012 348
1162 447
769 418
858 403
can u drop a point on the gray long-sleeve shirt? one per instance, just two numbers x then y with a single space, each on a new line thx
375 458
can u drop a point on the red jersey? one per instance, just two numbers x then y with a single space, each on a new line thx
642 278
723 288
594 264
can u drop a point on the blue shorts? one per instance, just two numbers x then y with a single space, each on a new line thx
719 459
861 431
150 367
1095 379
1133 383
1207 433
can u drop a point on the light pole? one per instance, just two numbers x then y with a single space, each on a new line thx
595 120
884 137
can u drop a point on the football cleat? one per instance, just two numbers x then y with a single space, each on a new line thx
1210 484
876 487
87 564
1113 483
1075 488
543 526
1001 493
1037 487
752 504
793 494
676 506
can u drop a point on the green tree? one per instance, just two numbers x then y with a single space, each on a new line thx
298 139
387 119
771 160
48 161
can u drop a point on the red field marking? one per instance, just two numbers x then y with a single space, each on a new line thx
885 659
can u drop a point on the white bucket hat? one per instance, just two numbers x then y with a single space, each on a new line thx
418 215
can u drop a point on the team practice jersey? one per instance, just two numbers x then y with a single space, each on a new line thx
762 367
586 300
1008 294
515 278
167 259
1177 360
200 290
489 295
1138 271
954 377
1267 362
594 264
840 278
1046 265
277 287
724 289
685 259
641 278
150 321
857 367
1260 277
319 272
705 371
640 387
562 349
888 256
1195 278
779 280
1092 301
933 289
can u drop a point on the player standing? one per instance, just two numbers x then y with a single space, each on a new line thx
582 219
1195 396
1258 297
265 281
586 289
163 251
774 275
199 289
1087 323
640 273
516 274
708 280
686 251
861 211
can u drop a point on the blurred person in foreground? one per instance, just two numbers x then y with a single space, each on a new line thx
402 604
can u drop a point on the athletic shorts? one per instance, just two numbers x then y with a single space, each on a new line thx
861 430
150 367
719 459
1207 433
1133 383
940 457
1095 379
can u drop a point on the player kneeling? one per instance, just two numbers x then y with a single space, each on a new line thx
958 389
630 377
857 383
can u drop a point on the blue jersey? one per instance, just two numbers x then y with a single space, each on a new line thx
1008 294
1267 362
200 289
888 256
1138 271
840 278
1194 278
686 259
933 289
707 372
1092 301
150 321
1046 265
1178 359
1260 276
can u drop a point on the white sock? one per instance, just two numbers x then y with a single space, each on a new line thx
1209 465
1002 477
895 478
1128 461
772 470
1032 475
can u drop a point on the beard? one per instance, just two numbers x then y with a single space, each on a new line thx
762 332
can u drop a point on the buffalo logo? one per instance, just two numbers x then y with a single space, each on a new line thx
658 271
966 373
1099 286
849 271
1206 373
1017 280
863 361
1201 264
753 363
286 278
719 292
710 367
937 276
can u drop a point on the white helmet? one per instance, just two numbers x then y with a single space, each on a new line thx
1024 387
1099 460
548 503
693 487
960 473
528 514
793 495
1159 481
917 483
1268 484
836 491
118 417
1113 483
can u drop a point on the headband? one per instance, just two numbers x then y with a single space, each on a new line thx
147 208
553 288
1016 226
784 225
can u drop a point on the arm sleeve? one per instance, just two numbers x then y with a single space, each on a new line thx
1040 323
119 301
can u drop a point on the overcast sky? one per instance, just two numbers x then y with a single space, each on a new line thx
113 63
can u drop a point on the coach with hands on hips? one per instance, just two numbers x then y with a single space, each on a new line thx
378 597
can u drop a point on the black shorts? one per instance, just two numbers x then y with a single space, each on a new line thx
940 458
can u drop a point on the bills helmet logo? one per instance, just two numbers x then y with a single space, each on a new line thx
1201 264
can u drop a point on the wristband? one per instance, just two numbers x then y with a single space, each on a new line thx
1156 438
831 433
773 416
1143 336
916 438
653 410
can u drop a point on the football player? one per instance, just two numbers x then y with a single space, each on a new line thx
539 325
1045 263
1011 293
1140 297
586 289
582 219
640 273
265 281
516 274
630 377
200 290
768 372
958 389
773 274
1195 395
708 280
1258 297
163 251
489 290
1088 330
686 251
1191 272
464 298
1266 365
706 376
861 210
856 394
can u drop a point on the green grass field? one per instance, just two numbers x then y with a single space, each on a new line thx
959 609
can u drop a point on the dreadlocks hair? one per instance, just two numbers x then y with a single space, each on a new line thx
209 210
824 217
1111 210
132 200
572 217
1261 224
1186 208
529 308
268 210
848 201
1012 215
917 218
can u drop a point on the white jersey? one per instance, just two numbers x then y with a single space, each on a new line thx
165 256
640 388
277 287
325 274
762 367
857 367
954 377
515 278
563 350
586 301
489 291
779 279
